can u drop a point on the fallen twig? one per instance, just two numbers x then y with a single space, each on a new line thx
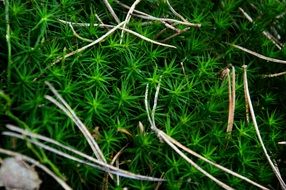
114 159
143 15
274 168
176 34
81 49
231 91
258 55
125 29
127 19
276 42
8 40
215 165
175 12
174 144
111 11
63 105
78 36
24 134
149 17
274 75
162 136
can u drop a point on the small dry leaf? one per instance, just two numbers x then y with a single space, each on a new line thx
15 174
95 133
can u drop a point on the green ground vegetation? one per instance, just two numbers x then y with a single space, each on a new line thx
105 85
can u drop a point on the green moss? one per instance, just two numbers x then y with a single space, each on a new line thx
105 85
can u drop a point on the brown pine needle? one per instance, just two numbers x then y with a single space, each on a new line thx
259 55
149 17
91 44
274 75
125 29
143 15
174 144
8 40
114 159
265 33
127 19
175 12
176 34
63 105
162 136
220 183
78 36
82 48
231 91
274 168
111 11
91 161
246 105
99 19
214 164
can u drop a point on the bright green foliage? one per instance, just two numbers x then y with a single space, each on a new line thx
105 85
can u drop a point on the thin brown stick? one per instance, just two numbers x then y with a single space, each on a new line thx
99 165
99 19
78 36
274 168
246 105
114 159
39 165
117 155
274 75
170 26
258 55
111 11
264 32
175 12
8 40
215 164
143 15
149 17
233 88
81 49
176 34
231 92
220 183
125 29
229 124
89 45
128 16
160 32
162 136
128 7
117 176
175 143
69 112
103 166
159 183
